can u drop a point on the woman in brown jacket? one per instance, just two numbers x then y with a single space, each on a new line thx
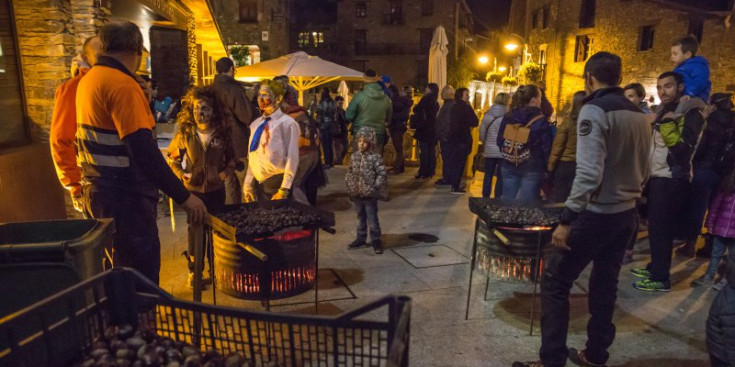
201 154
563 158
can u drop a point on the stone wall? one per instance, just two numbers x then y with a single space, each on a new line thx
617 27
273 17
50 33
170 61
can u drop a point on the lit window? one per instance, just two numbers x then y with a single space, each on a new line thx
361 10
583 47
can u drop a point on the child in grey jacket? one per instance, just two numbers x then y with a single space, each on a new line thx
366 177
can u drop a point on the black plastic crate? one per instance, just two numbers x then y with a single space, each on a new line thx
376 334
38 259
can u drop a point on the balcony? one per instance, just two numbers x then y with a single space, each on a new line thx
388 49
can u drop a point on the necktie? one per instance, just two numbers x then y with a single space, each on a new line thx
258 132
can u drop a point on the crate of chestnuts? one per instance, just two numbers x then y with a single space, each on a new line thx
121 319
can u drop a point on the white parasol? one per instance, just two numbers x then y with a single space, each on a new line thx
438 58
344 92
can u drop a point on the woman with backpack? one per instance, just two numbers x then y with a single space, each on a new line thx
563 159
525 139
489 136
326 112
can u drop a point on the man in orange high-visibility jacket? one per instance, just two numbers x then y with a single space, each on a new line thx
122 167
64 125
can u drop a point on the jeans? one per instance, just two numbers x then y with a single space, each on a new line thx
563 180
492 168
326 138
397 137
427 158
666 204
596 238
719 245
704 185
521 184
367 217
135 242
456 163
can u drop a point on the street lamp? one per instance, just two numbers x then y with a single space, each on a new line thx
502 69
483 59
511 46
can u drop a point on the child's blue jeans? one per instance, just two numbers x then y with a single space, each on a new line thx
719 245
367 216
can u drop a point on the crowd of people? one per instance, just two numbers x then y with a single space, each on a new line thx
613 163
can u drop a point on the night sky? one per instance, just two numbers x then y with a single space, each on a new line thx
489 14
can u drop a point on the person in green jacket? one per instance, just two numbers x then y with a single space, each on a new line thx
371 108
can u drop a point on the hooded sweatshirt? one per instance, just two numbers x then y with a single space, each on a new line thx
696 77
366 174
370 108
489 130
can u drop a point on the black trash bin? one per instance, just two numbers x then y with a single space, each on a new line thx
38 259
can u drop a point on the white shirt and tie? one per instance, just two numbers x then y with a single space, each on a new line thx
277 150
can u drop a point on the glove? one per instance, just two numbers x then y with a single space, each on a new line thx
248 196
281 194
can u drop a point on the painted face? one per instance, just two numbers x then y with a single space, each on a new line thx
668 90
266 98
202 114
633 96
363 144
678 56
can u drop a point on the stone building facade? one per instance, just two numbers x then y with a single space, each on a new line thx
47 34
393 37
261 23
562 34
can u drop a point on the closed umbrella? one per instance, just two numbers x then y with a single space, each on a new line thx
303 70
438 57
344 92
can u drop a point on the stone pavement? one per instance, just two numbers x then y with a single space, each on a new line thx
428 240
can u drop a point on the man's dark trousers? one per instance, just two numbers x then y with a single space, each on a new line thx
135 243
667 198
596 238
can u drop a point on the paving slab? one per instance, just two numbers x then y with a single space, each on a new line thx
653 329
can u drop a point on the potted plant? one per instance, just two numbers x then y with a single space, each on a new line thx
531 72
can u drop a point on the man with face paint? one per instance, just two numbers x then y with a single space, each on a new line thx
273 157
122 167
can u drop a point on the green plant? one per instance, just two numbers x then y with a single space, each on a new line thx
461 70
494 77
510 81
531 72
241 55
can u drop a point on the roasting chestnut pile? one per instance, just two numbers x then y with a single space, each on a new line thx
256 221
520 215
124 347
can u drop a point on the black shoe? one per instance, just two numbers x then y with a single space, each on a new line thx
419 177
357 244
441 182
579 358
377 246
457 191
